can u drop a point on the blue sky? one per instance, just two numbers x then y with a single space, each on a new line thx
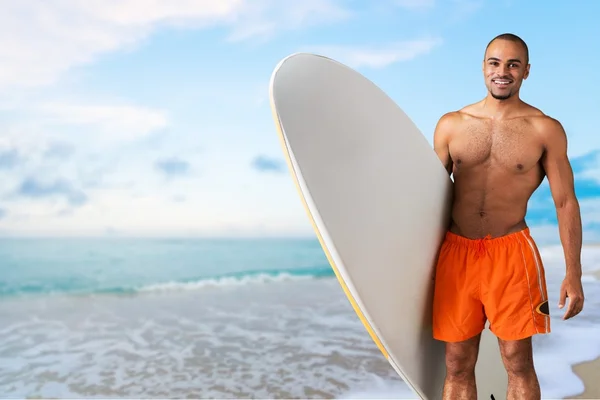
148 117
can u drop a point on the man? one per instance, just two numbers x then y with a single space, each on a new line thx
499 150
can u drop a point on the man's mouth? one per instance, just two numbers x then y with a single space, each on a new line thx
501 82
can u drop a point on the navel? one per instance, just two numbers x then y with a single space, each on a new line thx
519 166
459 161
482 214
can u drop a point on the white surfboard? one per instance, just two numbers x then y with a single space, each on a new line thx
378 198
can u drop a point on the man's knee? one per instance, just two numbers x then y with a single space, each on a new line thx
517 356
461 358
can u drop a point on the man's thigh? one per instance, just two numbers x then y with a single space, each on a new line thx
461 357
517 355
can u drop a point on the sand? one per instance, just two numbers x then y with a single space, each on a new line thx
589 372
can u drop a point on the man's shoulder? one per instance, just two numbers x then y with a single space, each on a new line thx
536 116
457 116
542 122
450 117
549 129
466 113
454 121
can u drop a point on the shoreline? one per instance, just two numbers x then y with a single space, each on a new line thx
588 372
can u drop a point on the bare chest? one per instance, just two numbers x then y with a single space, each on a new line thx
511 145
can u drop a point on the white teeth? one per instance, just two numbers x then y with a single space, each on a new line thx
501 82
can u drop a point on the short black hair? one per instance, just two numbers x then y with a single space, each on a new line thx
513 38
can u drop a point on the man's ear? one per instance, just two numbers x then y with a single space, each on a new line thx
526 75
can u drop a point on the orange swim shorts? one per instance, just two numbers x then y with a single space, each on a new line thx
497 279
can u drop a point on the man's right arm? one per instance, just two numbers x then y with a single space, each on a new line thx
441 140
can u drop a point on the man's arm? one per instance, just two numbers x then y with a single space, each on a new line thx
560 177
441 140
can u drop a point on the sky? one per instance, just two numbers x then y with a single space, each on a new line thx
151 118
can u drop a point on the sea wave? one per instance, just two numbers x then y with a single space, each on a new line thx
60 287
246 278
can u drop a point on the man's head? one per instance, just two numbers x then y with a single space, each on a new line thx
505 65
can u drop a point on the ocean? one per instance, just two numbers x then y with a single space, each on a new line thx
217 318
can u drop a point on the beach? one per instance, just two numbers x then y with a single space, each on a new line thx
589 373
213 343
261 319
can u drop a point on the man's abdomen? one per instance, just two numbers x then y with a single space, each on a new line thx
488 205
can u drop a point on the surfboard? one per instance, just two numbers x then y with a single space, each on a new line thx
379 200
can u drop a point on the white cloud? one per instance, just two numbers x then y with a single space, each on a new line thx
263 18
590 216
462 9
591 171
115 123
590 211
151 212
40 40
378 56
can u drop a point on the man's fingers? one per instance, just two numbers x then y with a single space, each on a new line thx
563 298
567 313
574 308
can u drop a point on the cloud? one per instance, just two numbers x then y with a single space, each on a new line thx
587 167
546 229
116 122
173 166
3 213
35 189
264 18
9 158
40 40
58 150
587 189
542 211
465 8
378 56
266 164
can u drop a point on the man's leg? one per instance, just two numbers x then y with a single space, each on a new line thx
458 316
461 358
518 360
516 304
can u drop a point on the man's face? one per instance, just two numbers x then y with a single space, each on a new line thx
504 68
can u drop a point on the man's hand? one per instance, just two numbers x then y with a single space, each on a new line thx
571 287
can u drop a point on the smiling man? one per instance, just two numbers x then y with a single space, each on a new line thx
499 150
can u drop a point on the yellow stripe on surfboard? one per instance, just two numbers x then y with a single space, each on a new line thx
323 246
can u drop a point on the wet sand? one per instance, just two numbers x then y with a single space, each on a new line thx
589 372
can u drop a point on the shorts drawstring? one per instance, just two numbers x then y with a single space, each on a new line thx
480 245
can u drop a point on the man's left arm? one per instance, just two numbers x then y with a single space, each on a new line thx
560 178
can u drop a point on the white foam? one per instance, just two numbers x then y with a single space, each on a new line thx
222 282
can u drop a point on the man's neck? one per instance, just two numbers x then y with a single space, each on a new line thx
499 109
